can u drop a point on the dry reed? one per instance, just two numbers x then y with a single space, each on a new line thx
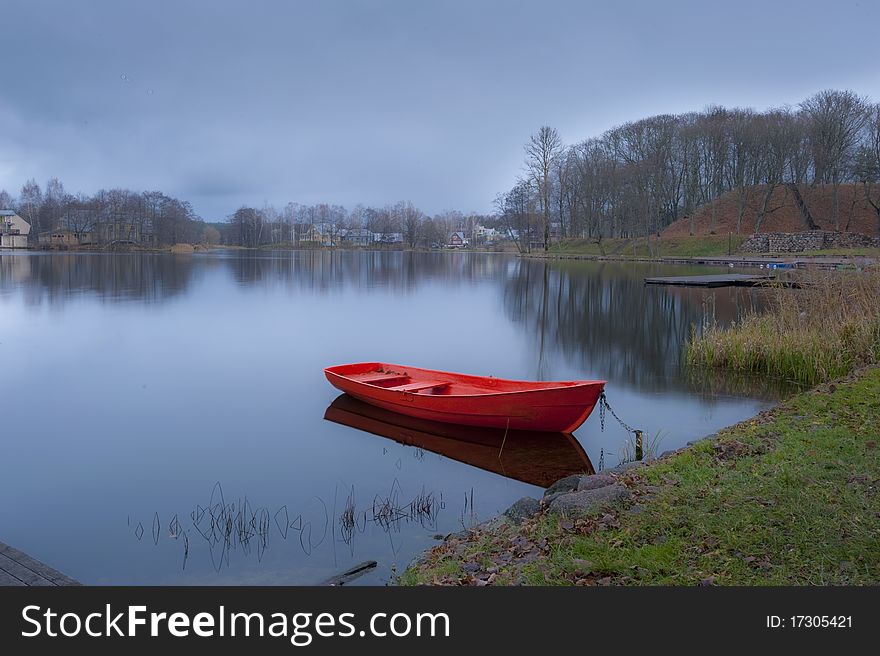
821 331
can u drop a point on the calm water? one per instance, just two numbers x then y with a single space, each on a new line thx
163 417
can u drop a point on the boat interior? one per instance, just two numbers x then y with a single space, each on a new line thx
403 382
428 382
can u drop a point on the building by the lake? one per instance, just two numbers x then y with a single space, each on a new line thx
457 240
14 230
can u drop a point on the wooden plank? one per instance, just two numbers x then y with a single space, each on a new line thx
6 579
22 573
30 570
720 280
415 387
351 574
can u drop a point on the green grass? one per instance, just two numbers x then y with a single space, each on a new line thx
788 498
697 246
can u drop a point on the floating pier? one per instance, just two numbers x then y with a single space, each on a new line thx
721 280
17 568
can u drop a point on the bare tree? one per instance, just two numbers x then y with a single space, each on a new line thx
542 149
411 218
30 201
836 121
866 168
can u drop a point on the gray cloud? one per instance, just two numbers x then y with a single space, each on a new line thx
225 103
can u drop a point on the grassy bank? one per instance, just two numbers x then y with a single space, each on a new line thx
701 246
808 335
789 497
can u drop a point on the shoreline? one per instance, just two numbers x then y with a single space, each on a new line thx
787 497
790 261
770 261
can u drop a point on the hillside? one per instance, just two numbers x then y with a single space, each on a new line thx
856 215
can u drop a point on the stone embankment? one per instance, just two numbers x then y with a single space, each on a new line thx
812 240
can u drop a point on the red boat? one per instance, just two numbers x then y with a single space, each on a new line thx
471 400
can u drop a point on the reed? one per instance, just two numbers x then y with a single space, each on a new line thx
821 331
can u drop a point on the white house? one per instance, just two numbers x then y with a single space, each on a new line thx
486 235
14 230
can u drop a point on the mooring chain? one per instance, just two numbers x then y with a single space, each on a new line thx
603 406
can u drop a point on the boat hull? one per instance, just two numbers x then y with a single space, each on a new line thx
472 400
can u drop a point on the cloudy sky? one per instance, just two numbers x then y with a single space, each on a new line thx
227 103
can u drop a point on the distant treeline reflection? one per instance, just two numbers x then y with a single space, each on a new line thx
602 316
597 314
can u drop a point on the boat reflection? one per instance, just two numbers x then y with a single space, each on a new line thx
531 457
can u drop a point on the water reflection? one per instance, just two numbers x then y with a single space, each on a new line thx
163 374
597 314
531 457
54 277
602 316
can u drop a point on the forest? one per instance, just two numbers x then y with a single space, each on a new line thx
632 181
639 177
148 218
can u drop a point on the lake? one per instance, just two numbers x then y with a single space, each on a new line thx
163 417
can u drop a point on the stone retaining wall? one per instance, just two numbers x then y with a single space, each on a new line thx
812 240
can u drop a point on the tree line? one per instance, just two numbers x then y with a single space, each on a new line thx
327 224
150 218
637 178
632 181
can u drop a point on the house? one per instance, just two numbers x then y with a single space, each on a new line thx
306 232
14 230
388 237
457 240
358 237
328 233
485 235
64 237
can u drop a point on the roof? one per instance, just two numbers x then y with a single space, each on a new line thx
8 212
459 234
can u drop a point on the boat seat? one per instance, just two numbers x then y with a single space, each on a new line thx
375 377
421 385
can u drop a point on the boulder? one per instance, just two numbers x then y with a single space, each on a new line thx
567 484
523 509
588 501
595 481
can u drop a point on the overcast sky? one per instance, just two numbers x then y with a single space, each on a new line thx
230 103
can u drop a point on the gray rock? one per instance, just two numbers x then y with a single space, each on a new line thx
670 452
595 481
523 509
567 484
588 501
548 499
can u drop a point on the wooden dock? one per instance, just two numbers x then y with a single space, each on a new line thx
720 280
17 568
